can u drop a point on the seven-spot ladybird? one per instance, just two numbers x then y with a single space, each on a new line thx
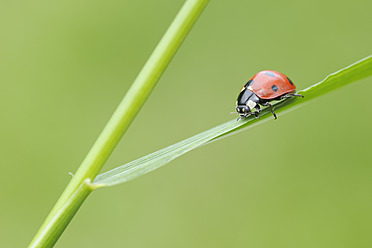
262 88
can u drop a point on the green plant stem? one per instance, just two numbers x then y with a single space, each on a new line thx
59 221
124 114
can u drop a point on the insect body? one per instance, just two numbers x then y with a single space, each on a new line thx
261 89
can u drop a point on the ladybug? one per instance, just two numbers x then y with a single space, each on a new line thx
261 89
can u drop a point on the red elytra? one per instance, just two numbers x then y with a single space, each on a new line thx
271 84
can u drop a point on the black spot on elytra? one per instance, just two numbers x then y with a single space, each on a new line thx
274 88
270 74
249 83
290 81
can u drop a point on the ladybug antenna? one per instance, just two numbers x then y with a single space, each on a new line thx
231 113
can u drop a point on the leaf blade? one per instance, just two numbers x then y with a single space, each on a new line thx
159 158
352 73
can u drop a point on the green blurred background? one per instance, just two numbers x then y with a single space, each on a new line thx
303 180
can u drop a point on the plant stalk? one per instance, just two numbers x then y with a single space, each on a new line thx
122 117
60 220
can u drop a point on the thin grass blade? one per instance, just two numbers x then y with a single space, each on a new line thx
359 70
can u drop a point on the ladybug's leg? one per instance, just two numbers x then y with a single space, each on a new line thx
285 96
255 114
271 108
289 95
243 116
294 94
258 109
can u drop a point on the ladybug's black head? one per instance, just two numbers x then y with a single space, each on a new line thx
243 110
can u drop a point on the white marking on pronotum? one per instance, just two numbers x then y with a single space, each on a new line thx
250 88
251 104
